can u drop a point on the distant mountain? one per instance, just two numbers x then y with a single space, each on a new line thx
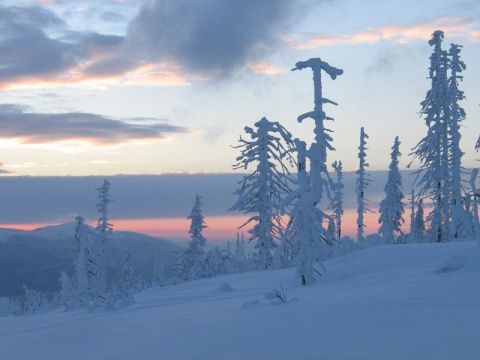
36 258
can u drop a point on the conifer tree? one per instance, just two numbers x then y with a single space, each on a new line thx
240 252
432 151
476 222
129 281
337 199
460 221
361 185
104 231
81 260
420 222
159 269
412 236
262 191
391 207
192 260
306 227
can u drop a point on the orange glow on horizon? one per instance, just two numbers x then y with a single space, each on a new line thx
218 228
26 227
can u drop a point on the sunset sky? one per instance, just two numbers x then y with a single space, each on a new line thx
108 87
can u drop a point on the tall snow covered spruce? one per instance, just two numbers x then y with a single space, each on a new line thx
361 185
307 221
159 269
417 224
461 223
439 175
475 195
191 262
82 253
262 191
391 207
336 204
429 151
104 234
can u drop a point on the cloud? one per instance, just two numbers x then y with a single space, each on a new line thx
264 68
212 37
32 57
25 48
2 170
453 26
39 128
48 199
167 43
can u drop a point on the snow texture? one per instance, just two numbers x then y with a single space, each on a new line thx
415 301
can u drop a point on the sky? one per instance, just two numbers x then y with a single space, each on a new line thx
102 88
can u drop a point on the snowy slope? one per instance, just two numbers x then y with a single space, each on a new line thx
389 302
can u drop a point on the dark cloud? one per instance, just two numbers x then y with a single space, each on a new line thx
34 128
25 48
214 36
53 199
29 52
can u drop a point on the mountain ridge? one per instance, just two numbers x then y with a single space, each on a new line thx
36 258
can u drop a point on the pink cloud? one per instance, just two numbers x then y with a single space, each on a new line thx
145 75
454 27
264 68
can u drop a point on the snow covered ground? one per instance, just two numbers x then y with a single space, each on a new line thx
411 302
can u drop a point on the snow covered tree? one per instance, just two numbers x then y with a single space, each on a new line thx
460 220
81 260
214 263
67 296
35 301
306 227
361 185
432 151
475 193
240 256
191 262
439 175
159 269
419 222
128 281
337 199
104 233
412 236
391 207
262 191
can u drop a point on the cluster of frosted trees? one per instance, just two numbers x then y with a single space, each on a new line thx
195 263
284 194
289 183
88 287
289 228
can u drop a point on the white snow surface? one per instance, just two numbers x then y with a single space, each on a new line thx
419 301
